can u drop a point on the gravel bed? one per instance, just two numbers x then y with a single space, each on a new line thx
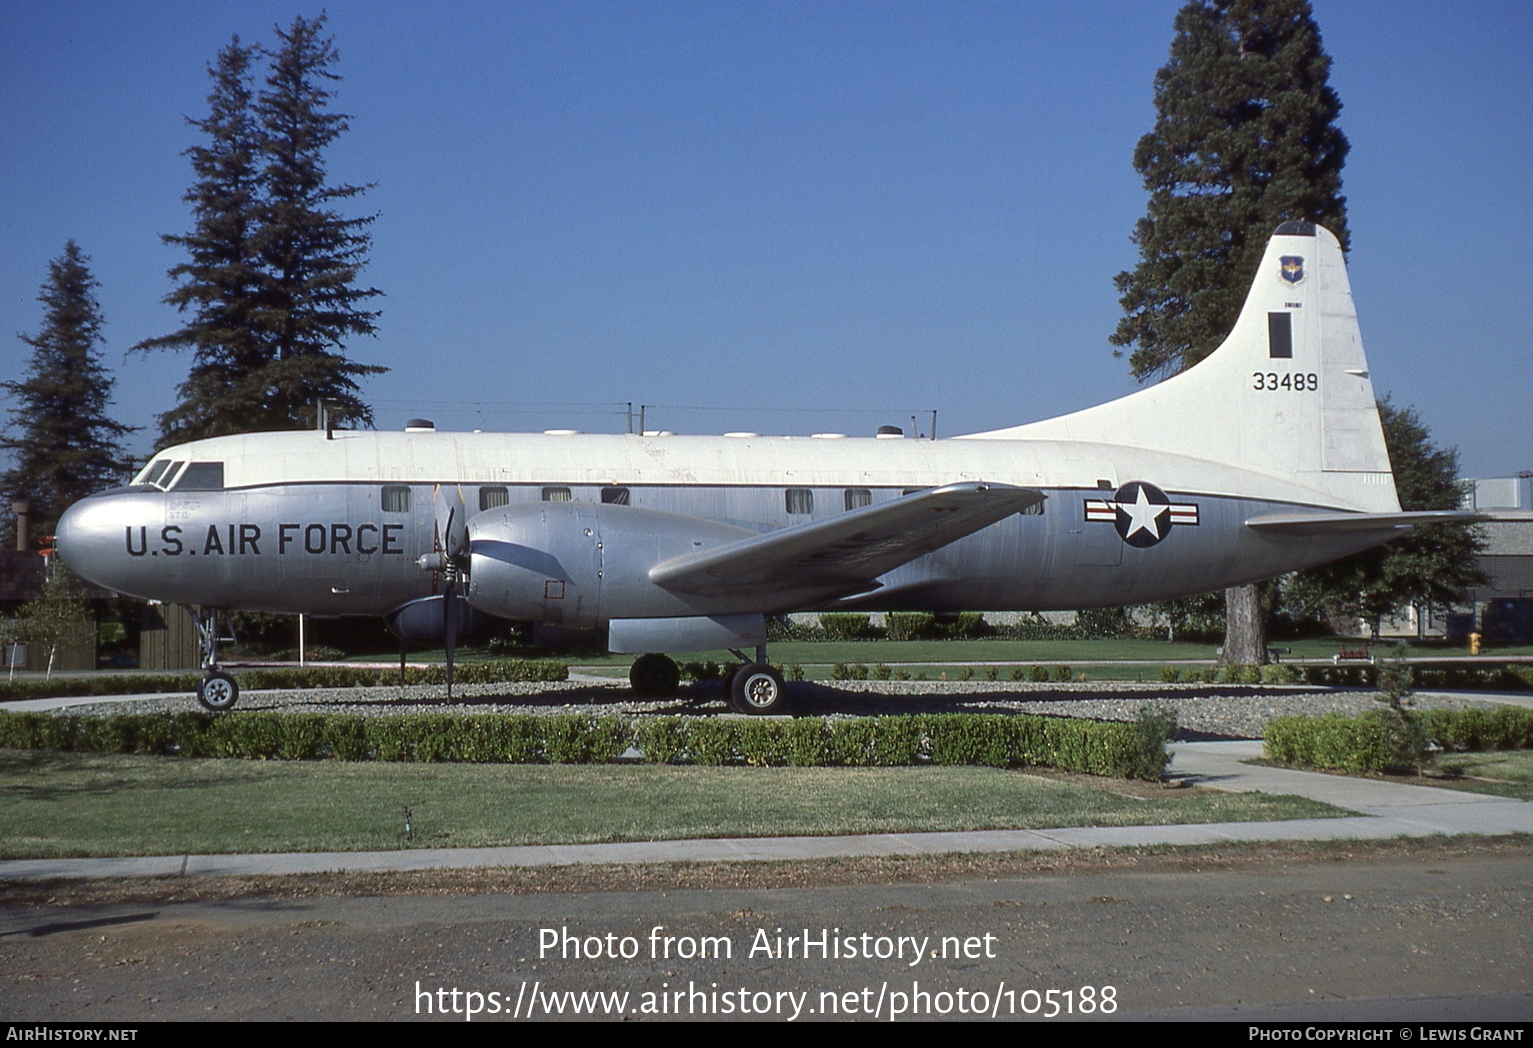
1203 710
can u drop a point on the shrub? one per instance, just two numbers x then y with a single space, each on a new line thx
662 740
843 625
910 625
1062 673
1153 729
1335 741
850 741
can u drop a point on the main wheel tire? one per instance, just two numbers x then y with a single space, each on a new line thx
654 676
758 690
217 691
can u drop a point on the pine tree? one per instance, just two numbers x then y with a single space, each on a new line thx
64 445
312 256
222 280
270 282
1244 139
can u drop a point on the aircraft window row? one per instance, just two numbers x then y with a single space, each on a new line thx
615 496
856 498
800 500
559 494
396 498
491 497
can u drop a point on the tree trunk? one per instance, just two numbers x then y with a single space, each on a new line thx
1245 627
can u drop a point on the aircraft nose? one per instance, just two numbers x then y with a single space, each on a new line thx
102 537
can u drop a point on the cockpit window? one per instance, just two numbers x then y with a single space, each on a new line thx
156 470
166 479
202 476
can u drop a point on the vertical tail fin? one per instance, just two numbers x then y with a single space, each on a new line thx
1286 394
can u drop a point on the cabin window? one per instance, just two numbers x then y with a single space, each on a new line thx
800 500
1035 510
856 498
615 496
202 476
396 498
557 495
491 497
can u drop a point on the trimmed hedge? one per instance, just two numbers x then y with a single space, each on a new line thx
499 671
1495 677
1362 743
1095 747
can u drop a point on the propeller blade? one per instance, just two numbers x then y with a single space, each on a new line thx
450 627
451 513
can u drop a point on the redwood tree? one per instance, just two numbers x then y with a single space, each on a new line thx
1244 139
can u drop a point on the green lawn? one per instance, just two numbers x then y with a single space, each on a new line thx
1512 771
81 804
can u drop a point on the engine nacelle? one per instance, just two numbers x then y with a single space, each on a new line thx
579 564
424 621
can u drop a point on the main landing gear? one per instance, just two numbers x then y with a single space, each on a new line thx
753 688
216 690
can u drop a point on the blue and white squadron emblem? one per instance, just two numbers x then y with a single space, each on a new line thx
1142 513
1291 269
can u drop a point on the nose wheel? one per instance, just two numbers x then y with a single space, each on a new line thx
218 691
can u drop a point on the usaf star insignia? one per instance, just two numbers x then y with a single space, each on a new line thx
1142 513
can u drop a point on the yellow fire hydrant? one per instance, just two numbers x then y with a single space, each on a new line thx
1474 644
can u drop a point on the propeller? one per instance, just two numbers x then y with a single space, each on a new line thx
451 545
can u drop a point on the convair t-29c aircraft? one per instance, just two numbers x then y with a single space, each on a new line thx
1265 458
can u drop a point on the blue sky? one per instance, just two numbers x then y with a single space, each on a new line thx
787 218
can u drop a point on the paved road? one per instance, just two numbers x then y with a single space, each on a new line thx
1416 937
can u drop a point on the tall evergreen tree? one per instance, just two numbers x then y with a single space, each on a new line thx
271 279
311 254
1244 139
64 445
221 281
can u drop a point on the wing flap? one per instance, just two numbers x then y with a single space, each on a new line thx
847 552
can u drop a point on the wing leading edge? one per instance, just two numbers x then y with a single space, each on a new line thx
847 552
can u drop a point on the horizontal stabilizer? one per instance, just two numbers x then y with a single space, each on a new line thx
847 552
1343 523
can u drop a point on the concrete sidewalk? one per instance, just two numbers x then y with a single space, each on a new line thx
1385 810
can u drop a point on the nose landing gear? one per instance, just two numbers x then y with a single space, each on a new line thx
217 690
